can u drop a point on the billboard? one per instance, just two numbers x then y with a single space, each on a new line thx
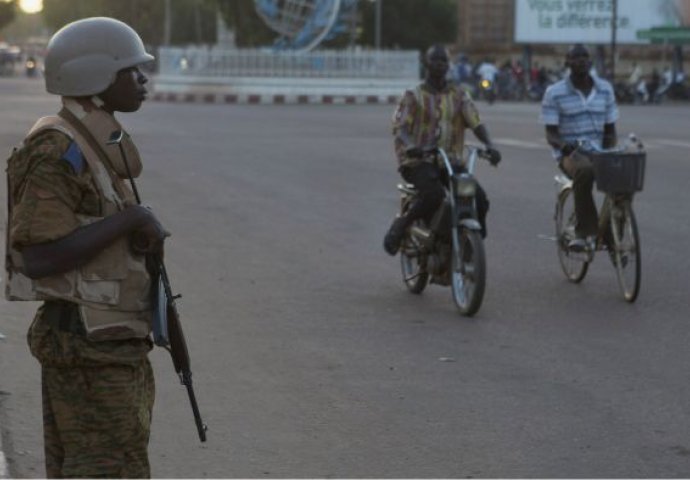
589 21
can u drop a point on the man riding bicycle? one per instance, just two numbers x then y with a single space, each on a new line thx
581 107
434 114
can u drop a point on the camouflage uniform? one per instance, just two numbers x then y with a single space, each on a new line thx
97 396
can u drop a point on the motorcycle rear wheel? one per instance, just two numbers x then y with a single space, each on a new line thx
413 265
468 275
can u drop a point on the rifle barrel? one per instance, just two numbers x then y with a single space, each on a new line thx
200 425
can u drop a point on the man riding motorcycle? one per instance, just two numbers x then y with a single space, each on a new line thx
434 114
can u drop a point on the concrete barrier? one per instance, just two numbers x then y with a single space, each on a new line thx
261 90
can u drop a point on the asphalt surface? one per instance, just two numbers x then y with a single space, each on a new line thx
311 359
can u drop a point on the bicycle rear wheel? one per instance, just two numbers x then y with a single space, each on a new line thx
626 254
573 264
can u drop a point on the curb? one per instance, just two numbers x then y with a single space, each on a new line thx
274 99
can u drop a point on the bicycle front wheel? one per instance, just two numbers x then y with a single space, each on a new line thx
626 254
468 275
573 264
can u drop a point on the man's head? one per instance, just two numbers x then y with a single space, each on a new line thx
436 61
578 60
98 56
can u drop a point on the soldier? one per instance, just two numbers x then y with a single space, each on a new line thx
78 241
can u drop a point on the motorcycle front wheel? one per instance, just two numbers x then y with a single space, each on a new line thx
468 274
413 265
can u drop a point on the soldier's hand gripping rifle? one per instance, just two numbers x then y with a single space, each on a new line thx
167 329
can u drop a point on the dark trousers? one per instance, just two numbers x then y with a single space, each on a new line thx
429 182
579 168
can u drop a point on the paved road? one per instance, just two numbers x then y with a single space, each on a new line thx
311 360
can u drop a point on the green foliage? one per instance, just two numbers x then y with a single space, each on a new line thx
410 24
7 13
241 17
193 21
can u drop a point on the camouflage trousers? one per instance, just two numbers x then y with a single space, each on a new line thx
97 401
96 421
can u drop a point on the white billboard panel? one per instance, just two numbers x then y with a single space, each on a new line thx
589 21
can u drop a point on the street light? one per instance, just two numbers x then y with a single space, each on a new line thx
167 21
614 27
31 6
377 41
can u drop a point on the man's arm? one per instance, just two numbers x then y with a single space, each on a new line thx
610 136
403 119
83 244
482 135
553 137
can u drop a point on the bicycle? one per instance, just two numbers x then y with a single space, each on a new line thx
449 250
618 173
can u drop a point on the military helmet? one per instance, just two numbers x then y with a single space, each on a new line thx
83 57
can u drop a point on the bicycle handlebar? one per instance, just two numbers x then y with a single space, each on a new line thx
590 146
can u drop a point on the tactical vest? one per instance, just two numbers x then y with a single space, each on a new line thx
113 289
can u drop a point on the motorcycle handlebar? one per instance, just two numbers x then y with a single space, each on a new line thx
420 152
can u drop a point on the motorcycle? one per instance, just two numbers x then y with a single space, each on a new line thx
449 250
488 90
31 67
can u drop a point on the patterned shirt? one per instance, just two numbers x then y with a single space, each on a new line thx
429 118
577 117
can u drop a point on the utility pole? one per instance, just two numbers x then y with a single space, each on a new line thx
167 18
378 24
614 28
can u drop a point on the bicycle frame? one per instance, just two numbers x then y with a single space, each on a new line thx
610 205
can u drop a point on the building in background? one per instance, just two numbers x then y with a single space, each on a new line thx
486 27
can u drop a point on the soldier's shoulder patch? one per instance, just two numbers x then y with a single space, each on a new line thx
74 157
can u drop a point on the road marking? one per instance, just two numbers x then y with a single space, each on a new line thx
671 143
512 142
652 144
3 466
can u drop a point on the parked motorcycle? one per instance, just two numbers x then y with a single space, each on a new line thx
450 249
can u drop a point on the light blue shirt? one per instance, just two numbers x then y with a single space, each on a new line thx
577 117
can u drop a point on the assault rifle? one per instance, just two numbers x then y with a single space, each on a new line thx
167 329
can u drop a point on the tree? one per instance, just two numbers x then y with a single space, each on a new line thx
241 17
7 13
406 23
193 21
413 24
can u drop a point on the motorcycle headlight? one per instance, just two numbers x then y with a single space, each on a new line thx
465 186
485 84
